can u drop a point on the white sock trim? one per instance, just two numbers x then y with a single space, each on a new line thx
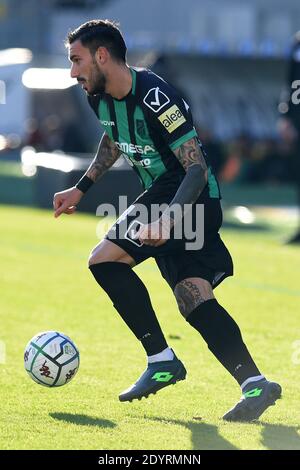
165 355
252 379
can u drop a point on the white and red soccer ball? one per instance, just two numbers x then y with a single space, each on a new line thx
51 359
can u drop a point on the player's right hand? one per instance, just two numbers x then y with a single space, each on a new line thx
65 202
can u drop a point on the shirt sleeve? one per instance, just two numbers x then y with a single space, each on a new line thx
169 114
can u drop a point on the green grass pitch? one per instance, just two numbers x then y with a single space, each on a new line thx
45 285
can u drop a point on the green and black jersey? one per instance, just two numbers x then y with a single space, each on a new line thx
147 125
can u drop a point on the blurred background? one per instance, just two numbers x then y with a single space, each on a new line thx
235 61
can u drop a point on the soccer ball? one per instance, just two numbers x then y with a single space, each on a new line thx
51 359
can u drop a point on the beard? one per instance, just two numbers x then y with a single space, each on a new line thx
97 81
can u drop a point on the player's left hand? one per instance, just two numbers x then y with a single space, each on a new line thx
155 234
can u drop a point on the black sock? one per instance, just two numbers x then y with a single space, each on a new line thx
224 339
131 299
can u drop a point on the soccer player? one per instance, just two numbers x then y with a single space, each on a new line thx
147 121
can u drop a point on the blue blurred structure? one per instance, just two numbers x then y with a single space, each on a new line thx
228 58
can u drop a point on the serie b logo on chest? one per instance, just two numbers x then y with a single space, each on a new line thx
141 128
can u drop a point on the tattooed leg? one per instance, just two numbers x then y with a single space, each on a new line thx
192 292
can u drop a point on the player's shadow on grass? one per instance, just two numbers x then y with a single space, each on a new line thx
83 420
203 436
279 437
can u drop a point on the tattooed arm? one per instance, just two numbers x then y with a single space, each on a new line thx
191 158
106 156
65 202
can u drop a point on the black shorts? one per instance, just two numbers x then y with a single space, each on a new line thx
176 263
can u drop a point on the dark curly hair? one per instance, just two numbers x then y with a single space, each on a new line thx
100 33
